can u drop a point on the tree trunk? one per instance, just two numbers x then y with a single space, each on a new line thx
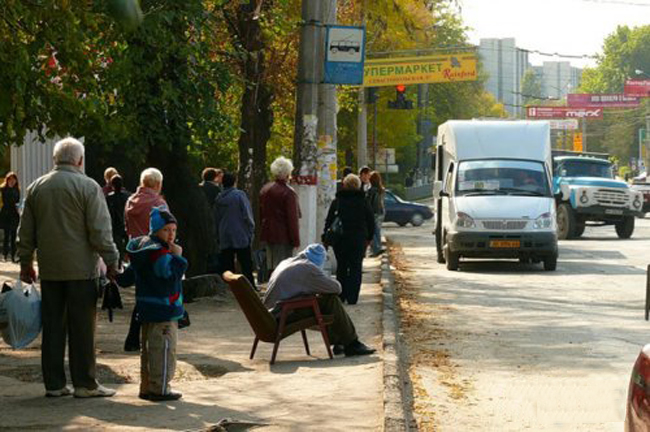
256 112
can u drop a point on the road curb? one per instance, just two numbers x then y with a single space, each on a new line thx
397 415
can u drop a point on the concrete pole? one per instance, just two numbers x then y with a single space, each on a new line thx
310 66
362 130
362 119
423 97
327 137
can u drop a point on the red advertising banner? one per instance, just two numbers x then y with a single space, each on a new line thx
602 101
638 88
546 112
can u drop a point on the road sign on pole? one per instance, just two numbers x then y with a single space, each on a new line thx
344 55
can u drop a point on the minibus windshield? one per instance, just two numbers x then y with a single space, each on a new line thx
502 177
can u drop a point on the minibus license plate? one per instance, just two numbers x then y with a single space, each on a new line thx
504 243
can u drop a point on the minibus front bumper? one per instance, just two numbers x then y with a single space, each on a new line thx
483 244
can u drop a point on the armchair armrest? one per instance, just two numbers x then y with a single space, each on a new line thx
298 303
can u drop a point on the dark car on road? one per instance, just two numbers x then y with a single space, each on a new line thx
402 212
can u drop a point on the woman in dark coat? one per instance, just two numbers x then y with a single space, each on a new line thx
358 229
9 216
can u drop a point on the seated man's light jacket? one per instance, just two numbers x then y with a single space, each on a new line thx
298 277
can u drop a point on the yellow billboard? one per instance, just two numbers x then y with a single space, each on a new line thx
420 70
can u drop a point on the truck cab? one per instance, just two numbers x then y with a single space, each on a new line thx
493 192
588 194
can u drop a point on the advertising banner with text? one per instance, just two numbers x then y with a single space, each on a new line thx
544 112
638 88
420 70
602 101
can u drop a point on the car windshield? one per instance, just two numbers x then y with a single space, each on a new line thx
502 177
585 169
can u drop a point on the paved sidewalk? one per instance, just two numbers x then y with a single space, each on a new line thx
214 373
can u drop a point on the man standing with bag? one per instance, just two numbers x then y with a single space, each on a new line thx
66 219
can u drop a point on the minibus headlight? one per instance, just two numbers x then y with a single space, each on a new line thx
463 220
545 221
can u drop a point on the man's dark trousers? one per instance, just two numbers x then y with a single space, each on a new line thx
244 258
68 310
349 267
341 331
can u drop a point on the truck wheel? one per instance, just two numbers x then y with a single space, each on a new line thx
580 229
550 263
566 222
625 228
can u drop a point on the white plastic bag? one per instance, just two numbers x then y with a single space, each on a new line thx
23 309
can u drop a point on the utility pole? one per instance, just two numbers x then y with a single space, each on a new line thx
310 66
423 127
327 136
362 119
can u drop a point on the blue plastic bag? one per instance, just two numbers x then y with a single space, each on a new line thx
23 309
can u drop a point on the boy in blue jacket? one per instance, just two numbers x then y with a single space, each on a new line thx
157 268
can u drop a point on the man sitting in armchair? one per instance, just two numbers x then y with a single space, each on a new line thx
302 276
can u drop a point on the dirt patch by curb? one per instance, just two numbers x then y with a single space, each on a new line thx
426 338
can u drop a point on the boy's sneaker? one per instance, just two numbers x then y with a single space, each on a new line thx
171 396
100 391
65 391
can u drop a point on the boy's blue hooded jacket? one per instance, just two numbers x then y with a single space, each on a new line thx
157 274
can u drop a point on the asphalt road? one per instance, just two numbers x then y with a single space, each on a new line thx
501 345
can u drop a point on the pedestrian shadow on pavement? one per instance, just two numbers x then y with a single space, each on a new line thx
212 367
290 366
55 414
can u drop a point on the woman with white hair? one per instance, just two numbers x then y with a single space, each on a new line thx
279 214
358 222
136 221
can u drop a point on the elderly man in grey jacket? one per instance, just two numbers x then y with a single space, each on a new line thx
302 276
66 219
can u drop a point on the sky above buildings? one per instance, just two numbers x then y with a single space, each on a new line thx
572 27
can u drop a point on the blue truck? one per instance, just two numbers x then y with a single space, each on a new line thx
587 193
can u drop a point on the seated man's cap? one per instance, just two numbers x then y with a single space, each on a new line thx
159 217
316 254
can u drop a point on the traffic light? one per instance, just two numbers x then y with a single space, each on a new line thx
400 101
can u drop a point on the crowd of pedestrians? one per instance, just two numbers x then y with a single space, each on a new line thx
69 222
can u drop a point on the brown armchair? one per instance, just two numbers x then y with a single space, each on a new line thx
264 324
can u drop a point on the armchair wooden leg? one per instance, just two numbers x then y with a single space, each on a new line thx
254 348
278 336
304 340
323 329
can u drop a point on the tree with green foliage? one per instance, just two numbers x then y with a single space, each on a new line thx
531 88
624 51
148 96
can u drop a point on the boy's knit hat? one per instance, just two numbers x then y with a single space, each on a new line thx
159 217
316 254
